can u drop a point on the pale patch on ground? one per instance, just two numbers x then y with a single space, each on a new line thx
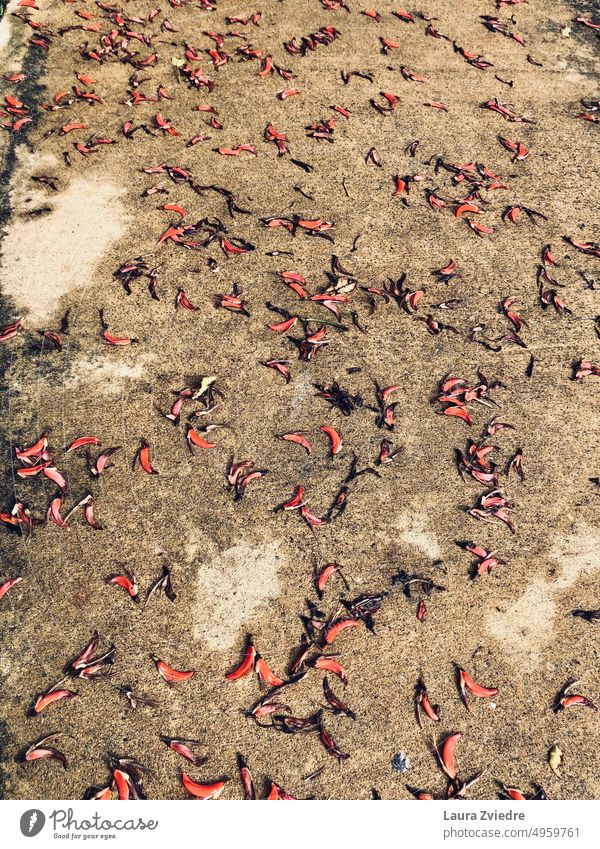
414 531
232 587
572 76
578 554
304 391
45 257
5 29
107 375
24 193
526 626
6 665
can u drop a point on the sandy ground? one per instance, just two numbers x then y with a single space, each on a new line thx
240 567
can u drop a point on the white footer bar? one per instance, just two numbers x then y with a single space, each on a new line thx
310 825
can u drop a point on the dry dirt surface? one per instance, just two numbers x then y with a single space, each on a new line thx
375 229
